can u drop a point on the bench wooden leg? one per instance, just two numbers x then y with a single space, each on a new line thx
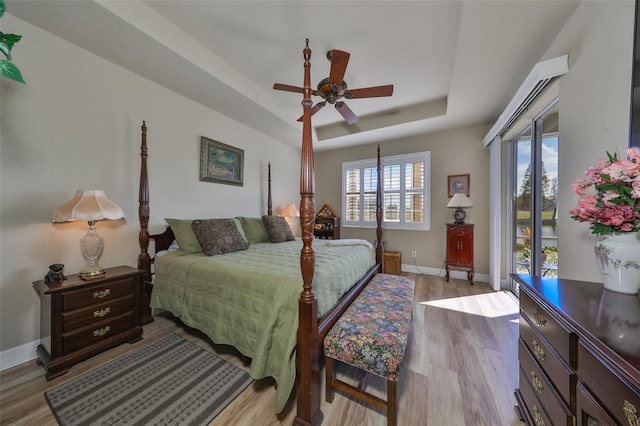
391 403
329 379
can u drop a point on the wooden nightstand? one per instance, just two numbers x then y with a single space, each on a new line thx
79 319
391 262
460 249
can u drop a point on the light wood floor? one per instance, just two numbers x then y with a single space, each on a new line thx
461 368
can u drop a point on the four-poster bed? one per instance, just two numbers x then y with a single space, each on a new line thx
312 323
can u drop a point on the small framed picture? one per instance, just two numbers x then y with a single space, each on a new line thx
458 183
221 163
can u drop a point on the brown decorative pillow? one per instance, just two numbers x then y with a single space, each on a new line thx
278 229
218 236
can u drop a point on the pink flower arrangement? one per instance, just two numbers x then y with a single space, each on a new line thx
608 195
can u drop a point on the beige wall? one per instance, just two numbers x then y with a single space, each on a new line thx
452 153
594 118
595 99
76 124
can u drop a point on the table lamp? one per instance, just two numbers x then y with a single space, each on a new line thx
457 202
92 206
290 211
292 216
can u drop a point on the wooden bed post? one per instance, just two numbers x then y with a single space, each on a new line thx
308 348
144 261
269 209
379 247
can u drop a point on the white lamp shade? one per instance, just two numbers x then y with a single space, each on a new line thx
459 200
290 211
89 205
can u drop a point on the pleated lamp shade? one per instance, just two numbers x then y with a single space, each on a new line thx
92 206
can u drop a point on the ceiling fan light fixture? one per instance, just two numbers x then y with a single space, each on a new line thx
334 88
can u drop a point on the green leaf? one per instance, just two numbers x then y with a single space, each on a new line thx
6 43
3 7
10 71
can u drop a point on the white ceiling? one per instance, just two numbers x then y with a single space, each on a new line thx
453 63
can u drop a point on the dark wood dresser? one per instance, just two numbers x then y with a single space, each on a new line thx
579 353
79 319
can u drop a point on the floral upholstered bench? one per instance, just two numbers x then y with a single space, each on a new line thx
372 336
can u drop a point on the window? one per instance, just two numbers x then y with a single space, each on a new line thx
405 192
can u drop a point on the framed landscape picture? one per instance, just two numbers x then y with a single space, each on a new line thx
221 163
458 183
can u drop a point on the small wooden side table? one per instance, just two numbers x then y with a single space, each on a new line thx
391 262
460 249
79 319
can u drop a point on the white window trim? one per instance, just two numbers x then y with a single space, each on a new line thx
395 159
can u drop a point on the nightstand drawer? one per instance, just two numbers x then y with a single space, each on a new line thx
547 358
96 313
96 293
621 399
546 325
544 390
96 333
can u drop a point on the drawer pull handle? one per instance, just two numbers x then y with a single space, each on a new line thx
537 417
538 351
101 332
537 384
630 413
102 312
540 321
101 294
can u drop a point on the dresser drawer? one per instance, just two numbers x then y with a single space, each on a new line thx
589 411
533 406
559 337
88 336
553 404
97 293
563 376
96 313
621 399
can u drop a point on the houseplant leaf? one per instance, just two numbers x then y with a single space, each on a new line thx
9 70
6 43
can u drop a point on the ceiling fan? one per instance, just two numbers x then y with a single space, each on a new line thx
333 88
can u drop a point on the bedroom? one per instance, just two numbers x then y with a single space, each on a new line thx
78 126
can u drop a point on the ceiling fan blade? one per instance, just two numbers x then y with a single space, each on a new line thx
317 107
339 60
370 92
288 88
346 112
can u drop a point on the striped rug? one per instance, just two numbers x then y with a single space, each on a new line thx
168 382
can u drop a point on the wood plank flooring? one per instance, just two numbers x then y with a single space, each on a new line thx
461 368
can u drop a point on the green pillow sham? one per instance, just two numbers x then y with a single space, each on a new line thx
185 237
254 229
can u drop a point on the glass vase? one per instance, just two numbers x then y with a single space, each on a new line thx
618 258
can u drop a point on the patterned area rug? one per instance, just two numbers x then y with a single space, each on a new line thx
168 382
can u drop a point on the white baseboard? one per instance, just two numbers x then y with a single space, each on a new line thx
18 355
440 272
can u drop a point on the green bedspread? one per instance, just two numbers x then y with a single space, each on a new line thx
249 299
